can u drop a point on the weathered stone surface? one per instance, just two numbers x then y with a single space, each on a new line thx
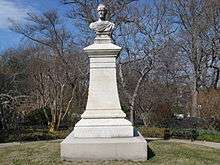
103 113
133 148
102 25
106 128
103 132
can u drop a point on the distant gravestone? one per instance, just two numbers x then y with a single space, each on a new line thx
103 133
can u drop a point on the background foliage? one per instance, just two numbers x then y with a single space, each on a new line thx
169 65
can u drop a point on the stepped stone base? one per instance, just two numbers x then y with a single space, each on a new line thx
103 128
130 148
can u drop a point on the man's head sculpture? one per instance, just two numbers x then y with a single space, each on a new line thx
102 26
102 11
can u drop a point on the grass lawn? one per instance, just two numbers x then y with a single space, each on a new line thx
47 153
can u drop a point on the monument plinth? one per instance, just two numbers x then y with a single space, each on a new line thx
103 132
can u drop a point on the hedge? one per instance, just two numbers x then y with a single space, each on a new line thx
154 132
193 134
196 134
184 133
32 135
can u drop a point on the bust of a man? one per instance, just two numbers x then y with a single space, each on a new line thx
102 26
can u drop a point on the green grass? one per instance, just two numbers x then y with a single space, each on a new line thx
166 153
209 137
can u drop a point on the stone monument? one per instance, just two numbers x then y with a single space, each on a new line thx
103 133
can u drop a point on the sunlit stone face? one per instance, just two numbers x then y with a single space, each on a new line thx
102 25
102 12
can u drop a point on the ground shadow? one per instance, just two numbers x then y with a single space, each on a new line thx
150 153
135 132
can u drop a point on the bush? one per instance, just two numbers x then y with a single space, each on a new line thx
209 135
36 136
184 133
61 134
193 133
188 123
30 134
37 117
154 132
3 137
196 134
44 135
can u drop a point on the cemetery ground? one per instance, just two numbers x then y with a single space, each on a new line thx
160 152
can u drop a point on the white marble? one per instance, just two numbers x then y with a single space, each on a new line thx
106 128
103 113
102 25
103 100
132 148
103 122
103 132
103 92
103 116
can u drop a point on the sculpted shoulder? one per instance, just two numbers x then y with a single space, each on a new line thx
102 26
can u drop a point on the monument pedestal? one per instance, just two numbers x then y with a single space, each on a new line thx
106 128
121 148
103 132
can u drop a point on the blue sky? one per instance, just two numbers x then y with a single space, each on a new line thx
17 9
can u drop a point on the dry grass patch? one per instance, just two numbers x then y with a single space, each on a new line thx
163 153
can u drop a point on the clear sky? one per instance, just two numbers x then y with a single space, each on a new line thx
17 9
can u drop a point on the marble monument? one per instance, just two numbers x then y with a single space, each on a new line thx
103 133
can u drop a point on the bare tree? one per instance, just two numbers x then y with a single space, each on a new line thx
12 88
53 74
143 38
138 29
194 34
167 47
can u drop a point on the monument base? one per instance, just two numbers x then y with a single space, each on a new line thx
130 148
103 128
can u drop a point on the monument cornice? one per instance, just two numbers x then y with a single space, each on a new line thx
97 50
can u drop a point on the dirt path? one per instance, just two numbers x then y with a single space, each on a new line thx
2 145
203 143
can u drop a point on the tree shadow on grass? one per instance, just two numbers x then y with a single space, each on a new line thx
150 153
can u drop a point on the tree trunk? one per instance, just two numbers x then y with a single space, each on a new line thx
132 114
2 119
52 124
58 122
51 127
194 111
216 77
